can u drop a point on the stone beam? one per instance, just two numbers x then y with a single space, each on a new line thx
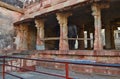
10 7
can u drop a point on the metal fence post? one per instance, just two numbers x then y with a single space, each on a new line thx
3 68
67 70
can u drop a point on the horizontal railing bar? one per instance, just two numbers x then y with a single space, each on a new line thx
38 71
51 38
78 39
71 62
57 38
14 75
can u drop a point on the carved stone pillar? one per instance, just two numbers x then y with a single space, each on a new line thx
40 45
21 38
97 24
63 20
107 37
17 38
24 35
112 38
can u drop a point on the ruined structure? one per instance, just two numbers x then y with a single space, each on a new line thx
36 30
7 18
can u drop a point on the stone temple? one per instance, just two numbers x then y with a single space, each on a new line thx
62 29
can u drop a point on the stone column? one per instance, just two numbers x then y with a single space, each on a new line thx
17 38
97 24
107 36
81 35
21 38
63 20
24 35
40 45
112 38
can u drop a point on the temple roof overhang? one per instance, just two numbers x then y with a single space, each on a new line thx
45 8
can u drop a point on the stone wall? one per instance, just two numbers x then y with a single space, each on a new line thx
7 18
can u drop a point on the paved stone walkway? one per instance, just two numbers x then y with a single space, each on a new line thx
32 75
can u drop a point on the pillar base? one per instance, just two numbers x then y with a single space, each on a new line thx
40 47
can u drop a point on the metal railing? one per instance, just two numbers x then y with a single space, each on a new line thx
63 61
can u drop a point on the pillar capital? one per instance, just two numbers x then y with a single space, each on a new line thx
23 27
63 18
96 9
39 22
61 15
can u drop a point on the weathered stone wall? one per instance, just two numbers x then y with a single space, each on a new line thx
7 18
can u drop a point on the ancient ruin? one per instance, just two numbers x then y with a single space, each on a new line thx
65 29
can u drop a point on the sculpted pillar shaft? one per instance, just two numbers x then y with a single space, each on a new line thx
63 21
107 36
97 24
21 38
40 34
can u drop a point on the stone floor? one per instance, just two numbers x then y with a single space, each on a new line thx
32 75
